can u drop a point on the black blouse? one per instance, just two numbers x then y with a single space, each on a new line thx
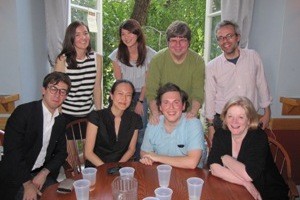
255 154
109 147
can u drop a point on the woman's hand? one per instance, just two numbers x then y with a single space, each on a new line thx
154 118
139 109
252 190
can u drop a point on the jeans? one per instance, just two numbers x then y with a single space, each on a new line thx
144 120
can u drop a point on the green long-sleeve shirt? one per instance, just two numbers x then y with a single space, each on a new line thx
189 75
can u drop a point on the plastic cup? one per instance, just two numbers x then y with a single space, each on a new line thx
124 188
82 189
89 173
195 186
164 174
163 193
127 171
150 198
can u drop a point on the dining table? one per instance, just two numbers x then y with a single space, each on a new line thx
214 188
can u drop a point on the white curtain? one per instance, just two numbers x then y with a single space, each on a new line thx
57 15
239 11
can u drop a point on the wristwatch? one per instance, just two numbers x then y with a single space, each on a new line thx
140 101
210 124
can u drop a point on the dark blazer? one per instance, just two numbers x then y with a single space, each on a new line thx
255 154
23 142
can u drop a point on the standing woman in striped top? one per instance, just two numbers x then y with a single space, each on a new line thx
84 67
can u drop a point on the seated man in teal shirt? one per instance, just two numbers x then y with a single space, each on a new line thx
175 140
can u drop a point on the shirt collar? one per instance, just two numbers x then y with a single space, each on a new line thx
162 118
242 53
48 113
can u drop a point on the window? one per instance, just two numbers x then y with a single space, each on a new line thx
80 10
213 16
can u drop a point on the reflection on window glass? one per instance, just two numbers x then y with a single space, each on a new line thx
81 15
215 49
85 3
78 15
216 5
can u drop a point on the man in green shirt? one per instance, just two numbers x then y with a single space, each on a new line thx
179 65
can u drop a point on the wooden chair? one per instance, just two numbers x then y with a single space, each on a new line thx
208 146
1 137
1 143
270 133
75 135
283 162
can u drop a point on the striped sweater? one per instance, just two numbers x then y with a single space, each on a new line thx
79 101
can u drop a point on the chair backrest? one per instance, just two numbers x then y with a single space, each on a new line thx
75 135
283 162
1 143
208 146
1 137
270 133
281 158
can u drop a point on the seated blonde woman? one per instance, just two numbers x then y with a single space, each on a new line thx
112 132
240 153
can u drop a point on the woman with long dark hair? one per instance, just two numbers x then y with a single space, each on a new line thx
130 61
83 66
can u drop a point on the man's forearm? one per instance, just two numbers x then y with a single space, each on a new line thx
179 161
267 112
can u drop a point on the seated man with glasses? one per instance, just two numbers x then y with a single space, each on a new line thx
35 143
175 140
177 64
236 72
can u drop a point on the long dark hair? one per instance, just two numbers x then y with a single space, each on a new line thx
68 44
123 56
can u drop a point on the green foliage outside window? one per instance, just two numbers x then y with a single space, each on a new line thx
160 15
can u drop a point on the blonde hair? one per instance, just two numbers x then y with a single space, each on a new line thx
247 105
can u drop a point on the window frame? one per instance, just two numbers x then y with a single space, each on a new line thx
98 11
208 28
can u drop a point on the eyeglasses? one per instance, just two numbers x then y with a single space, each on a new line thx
54 90
228 37
181 41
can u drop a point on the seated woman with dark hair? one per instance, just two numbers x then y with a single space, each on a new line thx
112 132
241 154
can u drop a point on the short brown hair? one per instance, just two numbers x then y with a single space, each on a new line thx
171 87
55 78
178 29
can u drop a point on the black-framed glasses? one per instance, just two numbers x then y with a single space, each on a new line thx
228 37
54 90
